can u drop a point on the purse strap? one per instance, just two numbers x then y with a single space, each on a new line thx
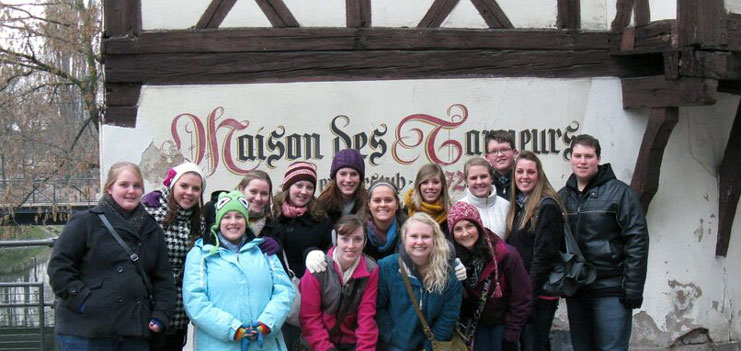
132 256
288 267
425 326
471 328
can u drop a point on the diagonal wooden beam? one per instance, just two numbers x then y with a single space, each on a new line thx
647 170
437 13
492 14
729 176
569 14
122 17
642 13
622 16
277 13
358 13
215 13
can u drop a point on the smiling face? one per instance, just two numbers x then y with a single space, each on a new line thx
383 204
257 194
350 247
127 189
300 193
187 190
431 188
500 155
526 176
348 181
233 226
584 163
418 242
478 181
466 233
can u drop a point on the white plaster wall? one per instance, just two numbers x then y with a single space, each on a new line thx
159 14
308 14
394 13
733 6
245 14
663 9
597 14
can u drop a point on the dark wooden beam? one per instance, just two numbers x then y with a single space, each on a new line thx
569 14
121 104
437 13
642 13
211 68
277 13
730 87
492 13
622 16
733 27
656 37
710 64
701 23
671 65
657 91
358 13
729 177
122 17
215 13
357 39
661 122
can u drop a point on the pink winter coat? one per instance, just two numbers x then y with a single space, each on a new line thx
320 305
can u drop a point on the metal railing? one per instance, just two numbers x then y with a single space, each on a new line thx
29 300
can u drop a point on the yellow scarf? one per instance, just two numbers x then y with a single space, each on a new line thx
436 210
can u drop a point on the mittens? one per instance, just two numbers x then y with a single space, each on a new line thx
269 246
316 261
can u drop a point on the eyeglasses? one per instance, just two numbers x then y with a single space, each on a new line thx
500 151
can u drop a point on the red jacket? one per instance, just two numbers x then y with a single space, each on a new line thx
320 306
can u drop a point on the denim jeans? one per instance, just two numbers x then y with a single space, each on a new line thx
76 343
488 339
599 323
535 335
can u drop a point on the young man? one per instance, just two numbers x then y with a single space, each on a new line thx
501 152
607 220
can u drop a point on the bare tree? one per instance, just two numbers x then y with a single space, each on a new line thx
51 98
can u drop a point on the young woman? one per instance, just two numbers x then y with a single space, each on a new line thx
338 306
384 220
258 190
345 194
236 296
495 268
481 193
301 228
535 223
425 256
177 209
104 301
430 195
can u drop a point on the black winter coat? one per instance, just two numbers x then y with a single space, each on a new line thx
89 267
539 248
298 236
608 222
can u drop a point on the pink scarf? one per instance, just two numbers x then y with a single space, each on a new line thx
291 211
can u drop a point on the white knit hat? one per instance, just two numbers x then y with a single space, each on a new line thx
176 172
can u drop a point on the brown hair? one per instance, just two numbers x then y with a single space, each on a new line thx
586 140
500 136
116 170
476 161
195 217
348 224
258 175
331 197
541 190
425 172
312 208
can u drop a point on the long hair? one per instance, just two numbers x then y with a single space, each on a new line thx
541 190
331 197
367 216
258 175
195 216
116 170
428 171
436 277
312 208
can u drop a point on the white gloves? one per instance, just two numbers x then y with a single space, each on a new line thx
316 262
460 269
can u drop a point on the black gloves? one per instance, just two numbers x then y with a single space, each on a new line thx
631 301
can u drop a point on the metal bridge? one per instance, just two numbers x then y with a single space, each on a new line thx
46 202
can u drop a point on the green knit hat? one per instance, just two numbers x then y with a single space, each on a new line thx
232 201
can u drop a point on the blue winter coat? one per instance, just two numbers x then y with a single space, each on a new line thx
398 323
224 289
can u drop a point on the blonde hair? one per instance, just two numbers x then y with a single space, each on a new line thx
258 175
541 190
476 161
426 172
436 277
116 170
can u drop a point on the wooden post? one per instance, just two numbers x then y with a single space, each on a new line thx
729 176
122 17
358 13
701 23
569 14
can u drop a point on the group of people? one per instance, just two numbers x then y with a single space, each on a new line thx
355 268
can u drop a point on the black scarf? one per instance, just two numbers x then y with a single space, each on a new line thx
135 218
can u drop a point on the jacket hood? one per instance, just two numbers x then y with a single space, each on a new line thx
604 174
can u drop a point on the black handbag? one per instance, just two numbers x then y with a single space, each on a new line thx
572 270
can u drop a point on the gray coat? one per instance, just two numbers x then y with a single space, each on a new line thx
88 267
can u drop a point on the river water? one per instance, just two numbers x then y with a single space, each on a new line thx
28 265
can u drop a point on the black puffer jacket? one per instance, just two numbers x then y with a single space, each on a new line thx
298 236
607 221
88 266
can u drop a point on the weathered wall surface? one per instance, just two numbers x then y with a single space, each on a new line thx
687 286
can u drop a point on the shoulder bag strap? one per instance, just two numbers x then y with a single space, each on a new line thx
288 267
132 256
425 326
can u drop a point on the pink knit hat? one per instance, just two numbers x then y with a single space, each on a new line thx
299 171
